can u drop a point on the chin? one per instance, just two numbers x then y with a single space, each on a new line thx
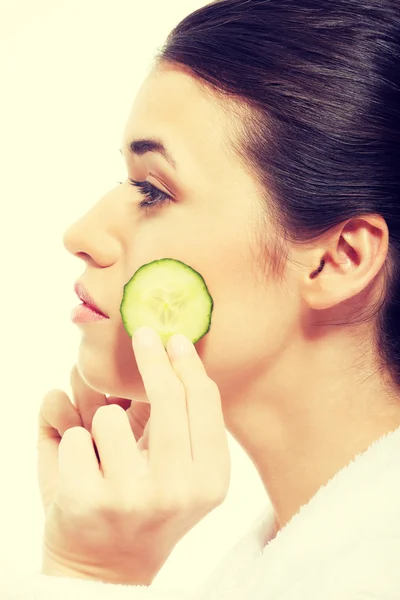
111 369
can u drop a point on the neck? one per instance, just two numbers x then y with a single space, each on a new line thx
301 430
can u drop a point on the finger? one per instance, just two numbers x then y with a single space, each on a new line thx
138 415
47 469
119 455
169 440
206 422
143 442
56 415
77 463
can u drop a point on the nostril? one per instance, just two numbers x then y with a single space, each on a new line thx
83 255
87 258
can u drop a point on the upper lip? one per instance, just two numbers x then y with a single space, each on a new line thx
84 296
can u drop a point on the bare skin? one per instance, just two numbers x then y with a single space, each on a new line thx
301 396
117 516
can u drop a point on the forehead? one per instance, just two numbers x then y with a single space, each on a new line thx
173 107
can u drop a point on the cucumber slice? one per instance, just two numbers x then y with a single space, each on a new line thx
170 297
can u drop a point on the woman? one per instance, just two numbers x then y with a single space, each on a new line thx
263 150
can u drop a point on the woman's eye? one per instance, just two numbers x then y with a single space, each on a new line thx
153 196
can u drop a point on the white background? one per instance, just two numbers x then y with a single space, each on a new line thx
69 70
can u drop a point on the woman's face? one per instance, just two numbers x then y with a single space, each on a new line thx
212 223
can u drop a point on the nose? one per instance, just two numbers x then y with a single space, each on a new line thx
92 239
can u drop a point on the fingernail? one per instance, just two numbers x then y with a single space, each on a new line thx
180 345
146 337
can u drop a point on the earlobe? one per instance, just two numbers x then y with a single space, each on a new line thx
349 257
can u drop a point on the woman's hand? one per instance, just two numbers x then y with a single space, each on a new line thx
57 414
119 519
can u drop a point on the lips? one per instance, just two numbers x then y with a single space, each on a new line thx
84 297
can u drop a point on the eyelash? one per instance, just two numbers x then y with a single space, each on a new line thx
153 195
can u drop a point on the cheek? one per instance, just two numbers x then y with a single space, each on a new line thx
232 346
252 326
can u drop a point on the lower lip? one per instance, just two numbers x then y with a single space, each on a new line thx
84 314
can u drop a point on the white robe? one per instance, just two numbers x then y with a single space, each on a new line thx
343 545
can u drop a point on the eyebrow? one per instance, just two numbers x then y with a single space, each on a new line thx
140 147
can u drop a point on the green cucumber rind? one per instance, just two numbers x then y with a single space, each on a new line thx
186 266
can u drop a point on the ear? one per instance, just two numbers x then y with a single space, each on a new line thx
346 260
